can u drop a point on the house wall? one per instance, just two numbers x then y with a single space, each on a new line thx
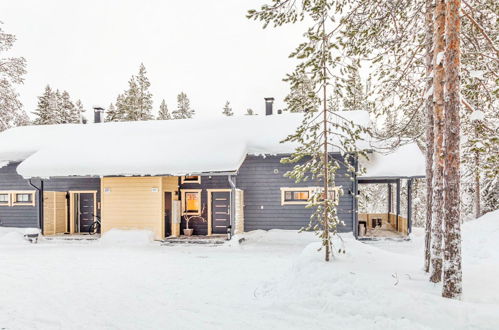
21 215
261 179
214 182
133 203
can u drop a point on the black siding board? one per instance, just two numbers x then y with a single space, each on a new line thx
207 182
262 187
27 216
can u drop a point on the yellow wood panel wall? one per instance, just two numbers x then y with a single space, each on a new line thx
133 203
54 212
388 220
239 219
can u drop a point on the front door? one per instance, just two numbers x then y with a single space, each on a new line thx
86 211
168 214
220 212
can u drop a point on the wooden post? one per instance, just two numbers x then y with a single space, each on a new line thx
409 206
398 204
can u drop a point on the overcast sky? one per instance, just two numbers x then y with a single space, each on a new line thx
208 49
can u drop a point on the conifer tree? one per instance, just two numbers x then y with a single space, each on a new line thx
354 98
164 114
320 127
144 96
67 110
301 97
184 110
80 112
12 70
45 112
116 113
227 110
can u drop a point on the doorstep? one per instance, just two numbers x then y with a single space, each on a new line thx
72 237
198 239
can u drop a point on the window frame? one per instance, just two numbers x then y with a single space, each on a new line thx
310 190
183 193
14 194
184 180
9 198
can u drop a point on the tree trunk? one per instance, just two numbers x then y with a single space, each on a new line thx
325 137
438 156
429 130
452 280
478 209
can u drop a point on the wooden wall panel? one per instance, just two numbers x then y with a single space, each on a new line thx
133 203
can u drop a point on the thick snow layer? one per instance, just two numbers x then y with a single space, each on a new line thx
405 161
272 280
127 237
173 147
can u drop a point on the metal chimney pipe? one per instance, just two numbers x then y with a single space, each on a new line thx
269 105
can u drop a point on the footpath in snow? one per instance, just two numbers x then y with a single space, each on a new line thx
273 279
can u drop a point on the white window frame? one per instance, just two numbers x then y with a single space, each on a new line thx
9 198
311 191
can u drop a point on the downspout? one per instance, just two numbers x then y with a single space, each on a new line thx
40 203
232 184
355 207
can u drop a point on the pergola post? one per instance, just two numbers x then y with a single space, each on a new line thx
409 205
398 203
389 198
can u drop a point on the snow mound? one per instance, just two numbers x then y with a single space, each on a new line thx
480 238
12 235
127 237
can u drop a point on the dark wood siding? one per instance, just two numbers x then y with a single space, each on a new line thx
17 216
27 216
213 182
261 178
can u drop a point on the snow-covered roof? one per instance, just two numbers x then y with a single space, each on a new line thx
171 147
405 161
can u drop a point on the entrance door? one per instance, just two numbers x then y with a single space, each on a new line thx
220 212
168 214
86 211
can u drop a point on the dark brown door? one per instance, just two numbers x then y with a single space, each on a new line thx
220 212
86 208
168 214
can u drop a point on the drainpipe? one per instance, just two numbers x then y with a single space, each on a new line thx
232 184
40 203
355 188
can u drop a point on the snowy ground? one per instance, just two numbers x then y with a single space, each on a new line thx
273 280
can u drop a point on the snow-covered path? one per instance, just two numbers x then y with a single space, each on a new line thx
273 280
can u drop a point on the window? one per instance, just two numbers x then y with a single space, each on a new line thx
23 198
296 196
191 201
191 179
4 199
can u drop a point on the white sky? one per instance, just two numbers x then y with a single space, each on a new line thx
208 49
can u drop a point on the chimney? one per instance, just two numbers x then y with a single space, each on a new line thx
269 104
98 114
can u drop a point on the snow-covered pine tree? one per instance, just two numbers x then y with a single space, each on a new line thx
301 93
315 136
227 110
80 112
144 96
44 112
68 113
12 70
118 112
250 112
354 97
184 110
163 113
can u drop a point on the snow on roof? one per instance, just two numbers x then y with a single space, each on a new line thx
405 161
170 147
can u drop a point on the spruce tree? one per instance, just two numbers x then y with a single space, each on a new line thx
12 70
227 110
163 113
45 111
354 98
80 112
144 96
184 110
116 113
302 95
67 110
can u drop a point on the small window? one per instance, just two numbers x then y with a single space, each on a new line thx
191 179
191 201
4 199
23 198
294 196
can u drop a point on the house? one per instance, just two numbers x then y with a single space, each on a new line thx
225 172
